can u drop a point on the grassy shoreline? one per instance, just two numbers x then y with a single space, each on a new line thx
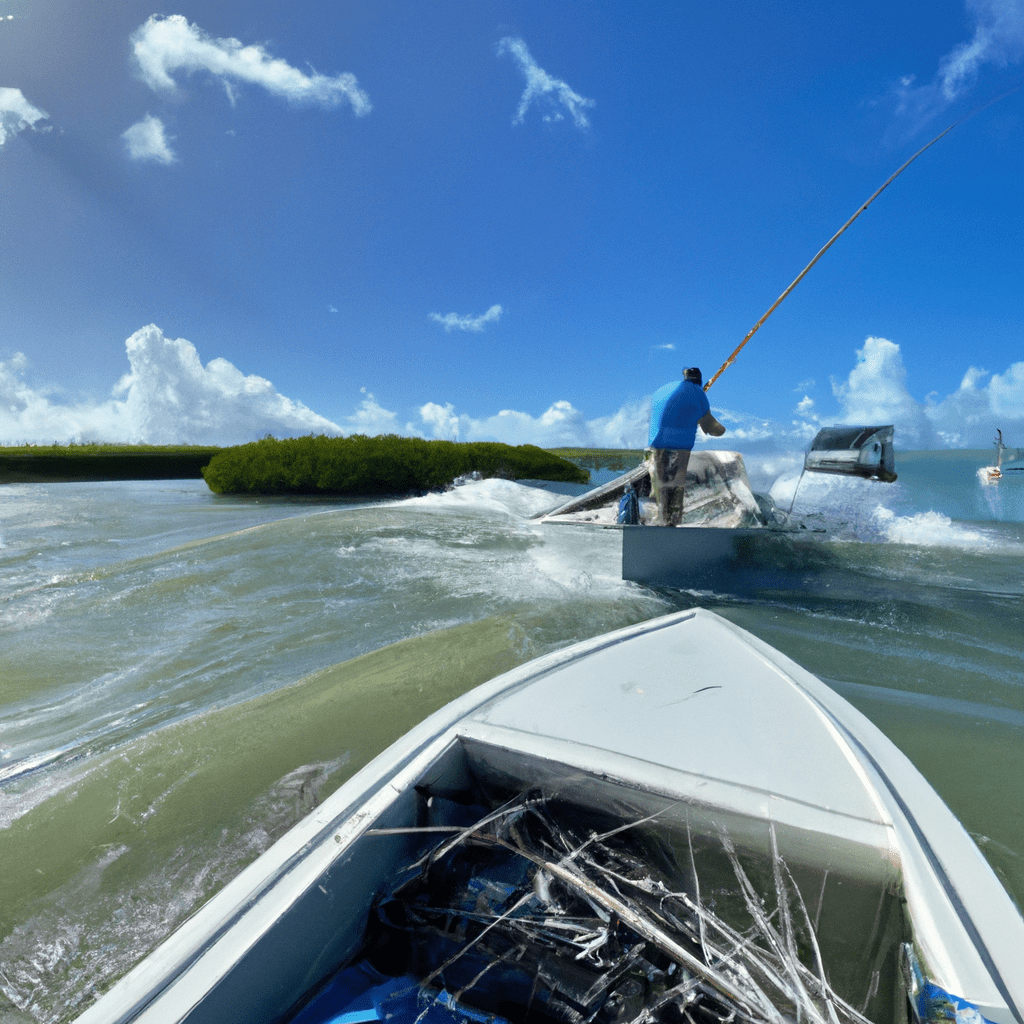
411 463
602 458
90 463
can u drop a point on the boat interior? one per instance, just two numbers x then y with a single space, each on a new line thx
448 901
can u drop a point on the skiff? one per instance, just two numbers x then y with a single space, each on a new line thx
731 538
670 822
993 474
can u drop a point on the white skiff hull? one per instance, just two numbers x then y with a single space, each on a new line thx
686 718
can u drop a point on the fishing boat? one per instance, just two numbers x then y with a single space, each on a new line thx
730 536
670 822
703 555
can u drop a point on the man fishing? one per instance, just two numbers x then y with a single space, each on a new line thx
678 409
676 412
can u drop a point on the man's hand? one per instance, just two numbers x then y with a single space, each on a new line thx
710 425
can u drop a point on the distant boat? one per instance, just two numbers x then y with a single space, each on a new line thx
669 822
993 474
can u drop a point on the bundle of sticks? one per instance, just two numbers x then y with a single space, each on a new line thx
521 917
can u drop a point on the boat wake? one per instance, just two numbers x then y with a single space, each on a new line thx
82 934
850 510
931 529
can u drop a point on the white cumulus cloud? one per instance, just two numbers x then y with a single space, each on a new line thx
169 394
371 418
1006 391
440 421
17 114
876 392
167 397
165 45
561 425
453 321
146 141
552 94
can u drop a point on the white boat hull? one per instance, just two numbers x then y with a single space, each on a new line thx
686 717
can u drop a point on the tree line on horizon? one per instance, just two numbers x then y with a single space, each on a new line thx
386 464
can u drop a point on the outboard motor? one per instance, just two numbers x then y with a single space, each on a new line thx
853 451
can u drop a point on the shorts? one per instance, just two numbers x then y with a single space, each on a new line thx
670 466
668 478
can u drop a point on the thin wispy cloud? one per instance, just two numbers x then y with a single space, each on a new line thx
554 97
998 41
147 141
455 321
164 46
17 114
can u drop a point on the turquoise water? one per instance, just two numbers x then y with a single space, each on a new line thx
177 683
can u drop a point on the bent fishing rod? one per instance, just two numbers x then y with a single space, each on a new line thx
821 252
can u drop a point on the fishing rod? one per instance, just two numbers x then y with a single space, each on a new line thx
803 273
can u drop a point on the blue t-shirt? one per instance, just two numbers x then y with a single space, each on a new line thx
676 410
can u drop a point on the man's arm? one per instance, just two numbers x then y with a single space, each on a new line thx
710 425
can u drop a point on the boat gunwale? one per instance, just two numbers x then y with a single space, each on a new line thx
373 777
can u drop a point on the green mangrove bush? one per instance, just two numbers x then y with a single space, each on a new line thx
387 464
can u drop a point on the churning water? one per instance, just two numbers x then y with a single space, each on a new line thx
183 676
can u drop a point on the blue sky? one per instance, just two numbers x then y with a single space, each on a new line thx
507 220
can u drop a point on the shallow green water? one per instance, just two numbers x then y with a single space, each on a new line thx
178 683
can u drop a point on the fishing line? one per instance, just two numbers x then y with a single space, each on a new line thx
797 488
828 245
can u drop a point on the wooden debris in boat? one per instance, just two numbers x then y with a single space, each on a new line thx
520 915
